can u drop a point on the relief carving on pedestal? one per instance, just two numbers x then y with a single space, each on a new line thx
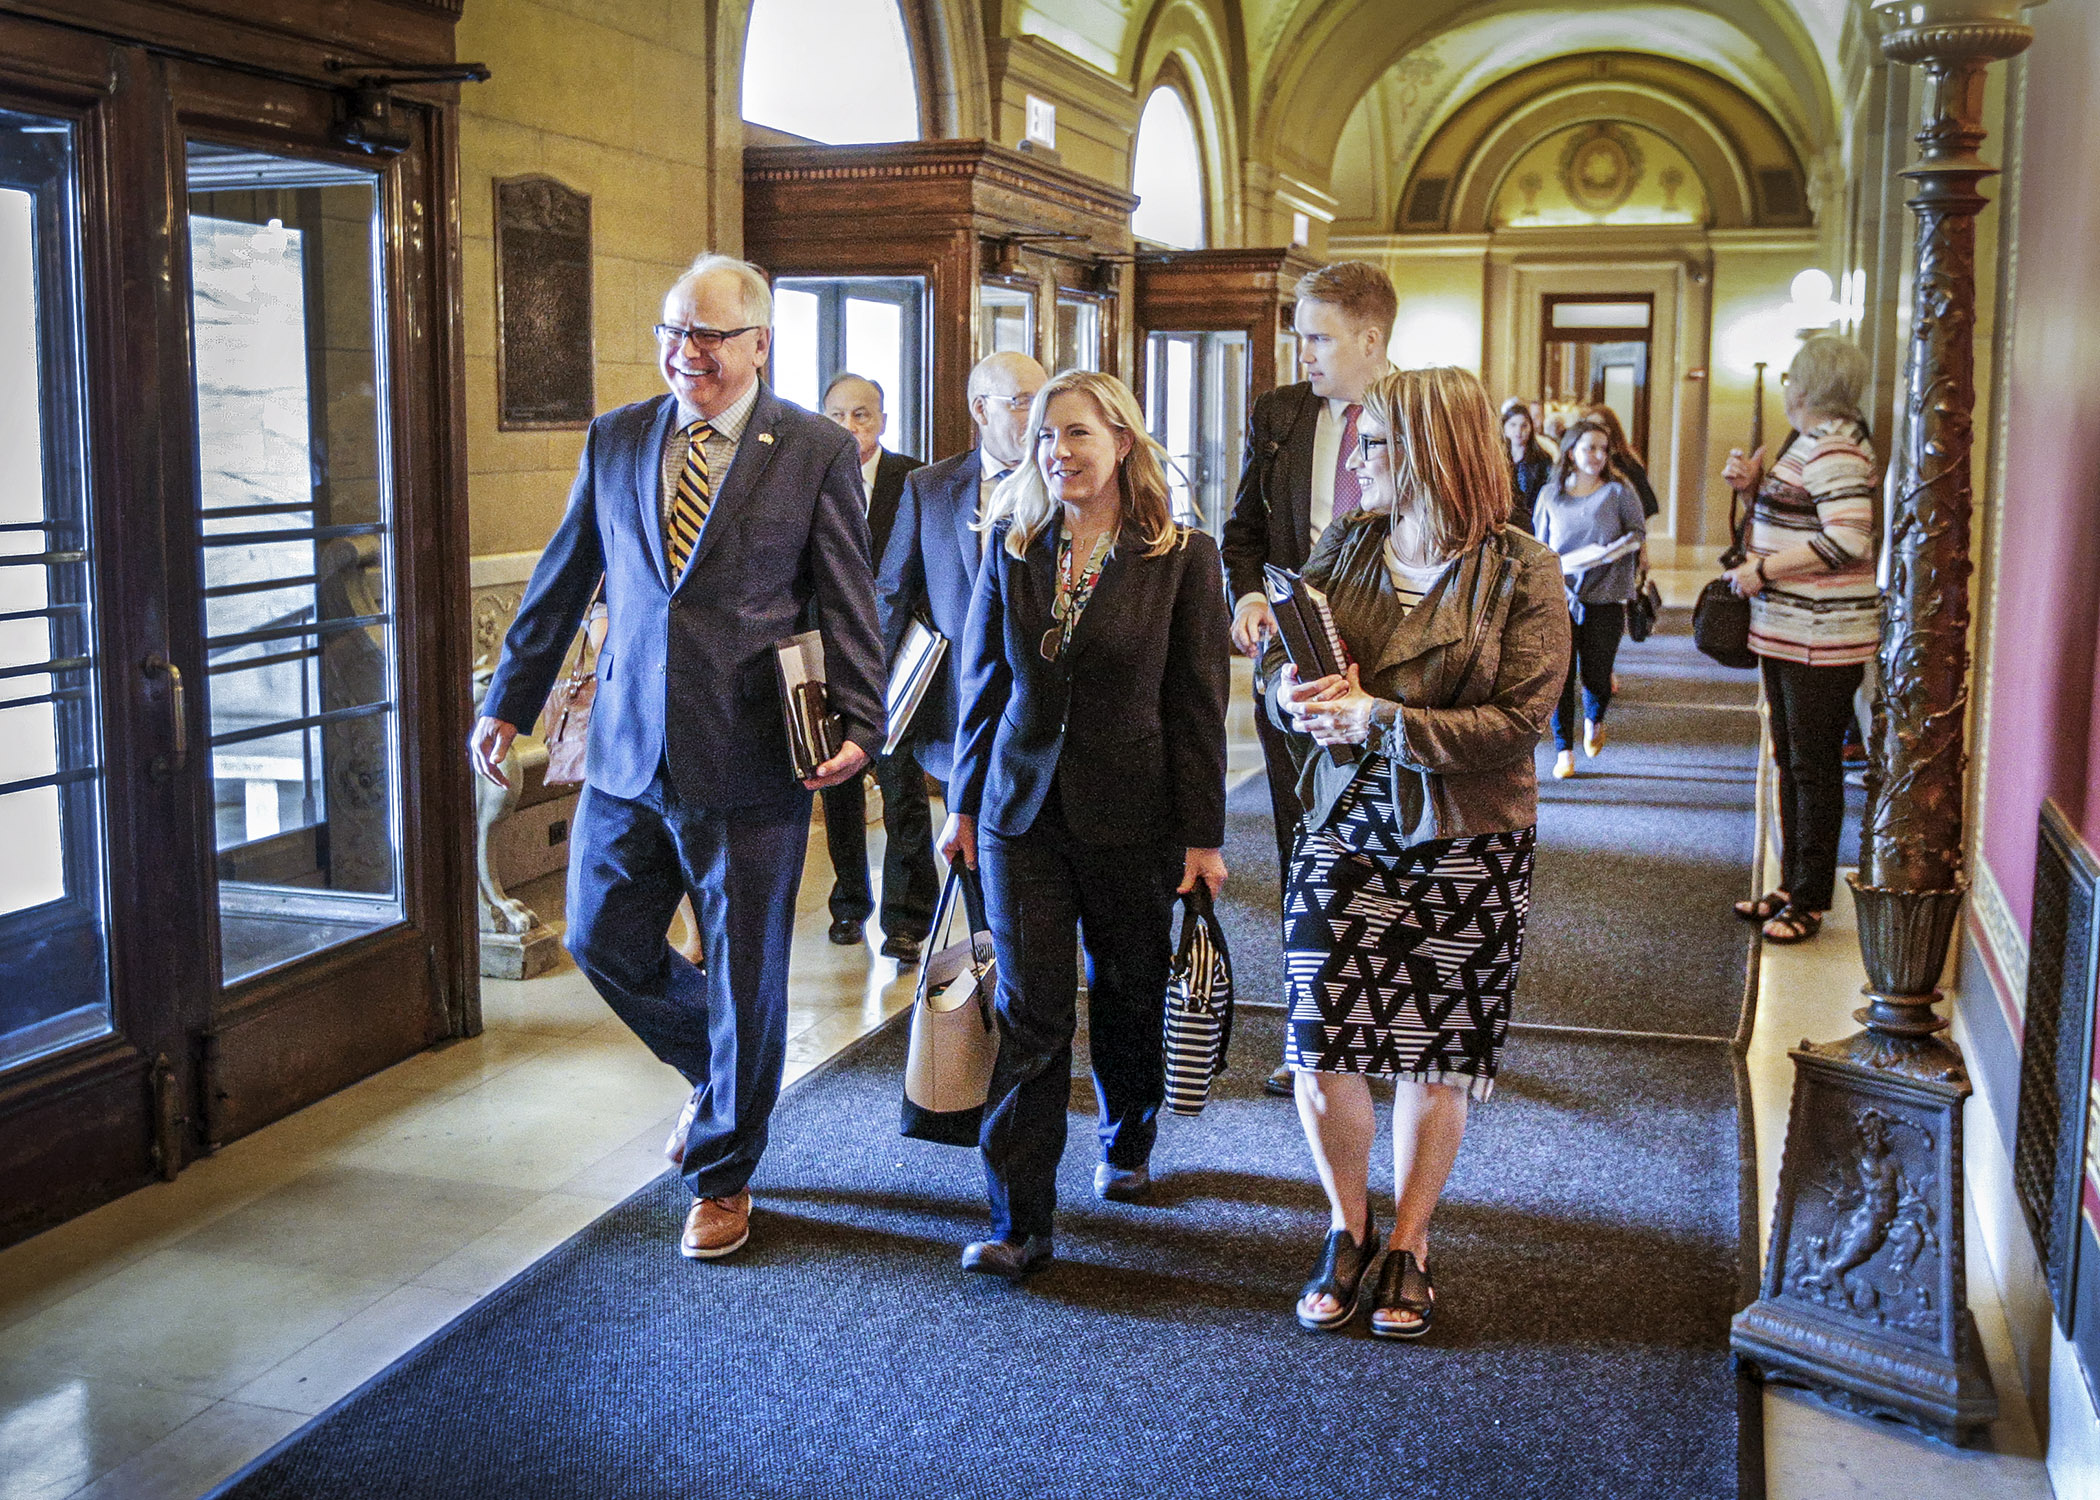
1876 1257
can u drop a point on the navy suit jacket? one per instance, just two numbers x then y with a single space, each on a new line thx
930 566
1271 519
1129 722
687 678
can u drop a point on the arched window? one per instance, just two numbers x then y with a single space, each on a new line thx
837 71
1167 173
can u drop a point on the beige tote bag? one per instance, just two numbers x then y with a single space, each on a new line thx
954 1032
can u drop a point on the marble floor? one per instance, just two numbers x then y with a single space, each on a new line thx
150 1348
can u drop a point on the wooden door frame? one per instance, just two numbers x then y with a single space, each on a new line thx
280 1040
93 1121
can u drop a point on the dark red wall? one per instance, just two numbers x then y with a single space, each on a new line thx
2044 735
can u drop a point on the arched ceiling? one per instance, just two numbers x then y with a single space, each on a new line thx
1319 59
1751 171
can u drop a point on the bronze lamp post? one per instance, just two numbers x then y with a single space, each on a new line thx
1863 1299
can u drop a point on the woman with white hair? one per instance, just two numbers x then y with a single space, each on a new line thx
1815 615
1089 779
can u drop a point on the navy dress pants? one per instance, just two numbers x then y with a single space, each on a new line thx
1047 894
910 883
724 1028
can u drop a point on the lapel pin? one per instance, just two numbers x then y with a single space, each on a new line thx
765 437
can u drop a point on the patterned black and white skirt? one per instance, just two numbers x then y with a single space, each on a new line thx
1399 961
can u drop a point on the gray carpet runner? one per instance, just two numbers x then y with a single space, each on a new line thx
1585 1255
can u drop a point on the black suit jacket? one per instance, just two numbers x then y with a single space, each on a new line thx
1129 723
891 470
687 678
1271 519
930 568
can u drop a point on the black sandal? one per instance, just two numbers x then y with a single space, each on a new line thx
1331 1279
1799 922
1764 908
1403 1287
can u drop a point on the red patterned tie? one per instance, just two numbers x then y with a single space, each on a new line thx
1348 489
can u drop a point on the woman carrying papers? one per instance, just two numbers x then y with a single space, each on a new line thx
1593 519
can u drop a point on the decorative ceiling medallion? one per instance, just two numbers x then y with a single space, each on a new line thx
1600 168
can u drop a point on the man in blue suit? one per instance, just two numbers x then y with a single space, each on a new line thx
930 566
723 520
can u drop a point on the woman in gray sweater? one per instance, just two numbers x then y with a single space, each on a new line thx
1593 519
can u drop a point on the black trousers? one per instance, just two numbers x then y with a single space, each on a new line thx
1044 891
1284 806
1810 708
910 885
1596 652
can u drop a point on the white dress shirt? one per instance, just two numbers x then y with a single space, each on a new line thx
986 483
867 479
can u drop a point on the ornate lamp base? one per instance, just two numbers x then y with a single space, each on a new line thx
1863 1299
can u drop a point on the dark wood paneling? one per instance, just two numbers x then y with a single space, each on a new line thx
1225 291
319 1028
944 210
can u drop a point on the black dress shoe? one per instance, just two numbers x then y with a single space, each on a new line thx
1122 1184
1006 1258
1282 1083
848 934
903 947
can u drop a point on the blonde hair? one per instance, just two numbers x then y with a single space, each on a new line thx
1447 451
1025 500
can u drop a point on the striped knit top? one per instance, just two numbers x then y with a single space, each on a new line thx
1821 491
1411 584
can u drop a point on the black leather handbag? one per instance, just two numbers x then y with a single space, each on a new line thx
1721 617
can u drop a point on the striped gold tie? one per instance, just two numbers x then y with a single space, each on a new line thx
689 503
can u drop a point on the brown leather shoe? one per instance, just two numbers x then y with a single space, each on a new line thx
716 1227
674 1144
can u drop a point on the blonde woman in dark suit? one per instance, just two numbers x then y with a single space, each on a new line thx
1089 779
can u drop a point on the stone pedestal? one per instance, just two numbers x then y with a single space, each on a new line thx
520 955
1862 1301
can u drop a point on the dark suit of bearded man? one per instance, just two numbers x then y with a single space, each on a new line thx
723 520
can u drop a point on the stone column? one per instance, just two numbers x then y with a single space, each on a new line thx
1863 1297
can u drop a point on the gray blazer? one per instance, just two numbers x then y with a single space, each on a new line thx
1469 678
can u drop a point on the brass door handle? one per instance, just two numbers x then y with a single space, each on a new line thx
157 665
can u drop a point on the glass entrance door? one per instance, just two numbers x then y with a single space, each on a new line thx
1196 406
54 942
295 549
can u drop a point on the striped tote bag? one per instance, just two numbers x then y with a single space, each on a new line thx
1199 1006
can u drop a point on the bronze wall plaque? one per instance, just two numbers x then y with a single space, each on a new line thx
544 366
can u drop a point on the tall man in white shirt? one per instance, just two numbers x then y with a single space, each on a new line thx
1297 480
909 884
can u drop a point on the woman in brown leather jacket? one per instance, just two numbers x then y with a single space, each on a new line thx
1405 902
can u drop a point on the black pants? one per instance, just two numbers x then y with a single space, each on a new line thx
1044 890
1284 806
1596 651
1810 708
910 884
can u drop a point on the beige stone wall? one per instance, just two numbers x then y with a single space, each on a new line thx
613 98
